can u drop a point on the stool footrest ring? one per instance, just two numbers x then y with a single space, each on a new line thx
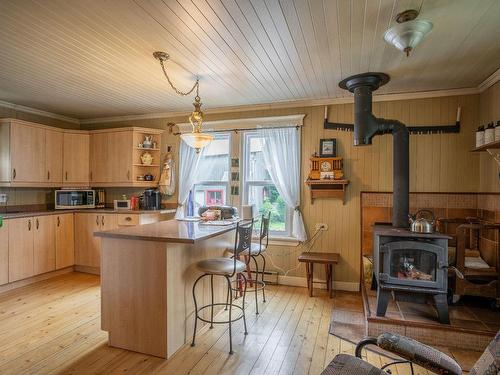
261 284
218 322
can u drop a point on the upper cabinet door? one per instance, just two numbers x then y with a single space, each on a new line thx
54 157
99 159
120 156
76 159
27 153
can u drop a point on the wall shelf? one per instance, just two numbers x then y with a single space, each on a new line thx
327 189
488 148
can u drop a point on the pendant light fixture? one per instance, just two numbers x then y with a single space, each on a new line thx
408 32
196 139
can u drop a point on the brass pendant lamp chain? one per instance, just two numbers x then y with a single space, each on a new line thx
196 139
177 91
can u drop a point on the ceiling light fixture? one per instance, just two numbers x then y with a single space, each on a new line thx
408 32
196 139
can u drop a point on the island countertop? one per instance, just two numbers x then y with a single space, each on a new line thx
173 231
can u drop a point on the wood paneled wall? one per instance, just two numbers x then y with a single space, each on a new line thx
438 162
489 111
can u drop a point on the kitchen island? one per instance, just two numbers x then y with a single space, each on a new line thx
147 275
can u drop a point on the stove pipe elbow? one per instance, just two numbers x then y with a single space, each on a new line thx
366 126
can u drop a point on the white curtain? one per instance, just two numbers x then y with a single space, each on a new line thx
281 151
189 162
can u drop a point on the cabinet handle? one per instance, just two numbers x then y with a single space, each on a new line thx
90 176
58 221
29 224
14 174
128 218
37 223
102 220
128 175
97 220
48 175
66 176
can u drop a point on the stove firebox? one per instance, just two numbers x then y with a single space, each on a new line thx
408 263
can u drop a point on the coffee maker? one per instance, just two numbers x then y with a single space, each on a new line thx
152 199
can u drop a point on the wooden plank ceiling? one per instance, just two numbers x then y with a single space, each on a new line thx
93 58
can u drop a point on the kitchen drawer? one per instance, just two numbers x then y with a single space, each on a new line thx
126 219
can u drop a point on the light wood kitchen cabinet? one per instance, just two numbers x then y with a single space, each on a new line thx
65 241
99 154
31 154
76 158
27 153
111 158
88 247
21 257
53 156
115 157
44 244
4 253
120 156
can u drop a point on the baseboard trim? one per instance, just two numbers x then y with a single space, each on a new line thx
34 279
88 269
302 282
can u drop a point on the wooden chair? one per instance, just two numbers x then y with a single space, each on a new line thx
483 282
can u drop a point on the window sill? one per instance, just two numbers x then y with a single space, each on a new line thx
281 241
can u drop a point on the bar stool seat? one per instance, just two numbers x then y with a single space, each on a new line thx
220 266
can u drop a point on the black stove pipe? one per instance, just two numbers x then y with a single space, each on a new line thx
366 126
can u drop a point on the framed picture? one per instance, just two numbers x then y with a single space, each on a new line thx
328 147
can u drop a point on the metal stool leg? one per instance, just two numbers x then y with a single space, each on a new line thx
212 294
243 305
229 321
255 284
227 298
263 271
195 308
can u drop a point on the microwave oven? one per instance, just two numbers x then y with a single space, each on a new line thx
67 199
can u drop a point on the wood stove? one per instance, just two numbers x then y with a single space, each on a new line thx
405 262
408 263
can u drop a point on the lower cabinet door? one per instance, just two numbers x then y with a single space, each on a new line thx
44 244
21 232
87 247
65 241
4 252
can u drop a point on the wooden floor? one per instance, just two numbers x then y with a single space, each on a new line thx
53 327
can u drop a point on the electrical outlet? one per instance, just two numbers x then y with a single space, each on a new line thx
321 226
3 198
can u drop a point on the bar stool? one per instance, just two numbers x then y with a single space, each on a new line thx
257 250
227 268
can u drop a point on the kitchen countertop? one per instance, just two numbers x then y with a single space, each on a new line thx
15 215
168 231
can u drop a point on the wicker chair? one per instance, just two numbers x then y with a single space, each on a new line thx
412 352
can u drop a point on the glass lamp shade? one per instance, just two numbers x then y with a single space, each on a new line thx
197 140
405 36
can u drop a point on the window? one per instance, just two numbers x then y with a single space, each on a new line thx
259 190
212 183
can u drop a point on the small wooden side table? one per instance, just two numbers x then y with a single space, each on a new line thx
328 259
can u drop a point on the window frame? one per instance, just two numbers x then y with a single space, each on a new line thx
227 184
244 167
